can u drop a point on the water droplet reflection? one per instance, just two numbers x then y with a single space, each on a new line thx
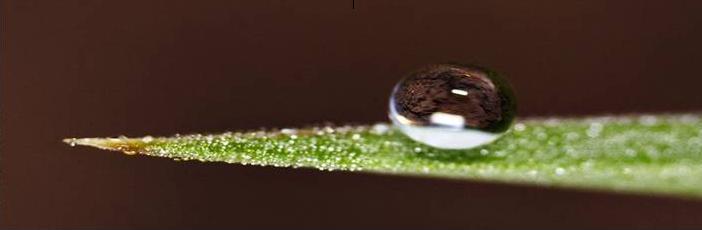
453 106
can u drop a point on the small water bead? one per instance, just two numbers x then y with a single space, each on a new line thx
453 106
356 136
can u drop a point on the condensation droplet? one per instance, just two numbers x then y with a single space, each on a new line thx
572 136
288 131
484 152
533 173
560 171
627 170
630 152
147 139
594 129
380 128
356 136
453 106
648 120
73 142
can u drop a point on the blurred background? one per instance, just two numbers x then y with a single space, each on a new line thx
107 68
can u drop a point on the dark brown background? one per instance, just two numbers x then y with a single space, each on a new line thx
105 68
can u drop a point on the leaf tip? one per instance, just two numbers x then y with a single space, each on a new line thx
126 145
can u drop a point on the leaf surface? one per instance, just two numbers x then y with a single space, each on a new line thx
648 154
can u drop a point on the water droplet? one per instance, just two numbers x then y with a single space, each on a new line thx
453 106
425 169
73 142
630 152
688 118
560 171
533 173
594 129
484 152
627 170
648 120
572 136
356 136
147 139
288 131
379 128
328 129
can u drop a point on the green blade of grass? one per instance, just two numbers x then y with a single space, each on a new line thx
658 154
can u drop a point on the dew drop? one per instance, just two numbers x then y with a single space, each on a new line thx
594 129
572 136
453 106
533 173
425 169
147 139
648 120
630 152
73 142
288 131
560 171
379 128
356 136
484 152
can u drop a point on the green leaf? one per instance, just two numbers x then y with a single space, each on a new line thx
640 154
